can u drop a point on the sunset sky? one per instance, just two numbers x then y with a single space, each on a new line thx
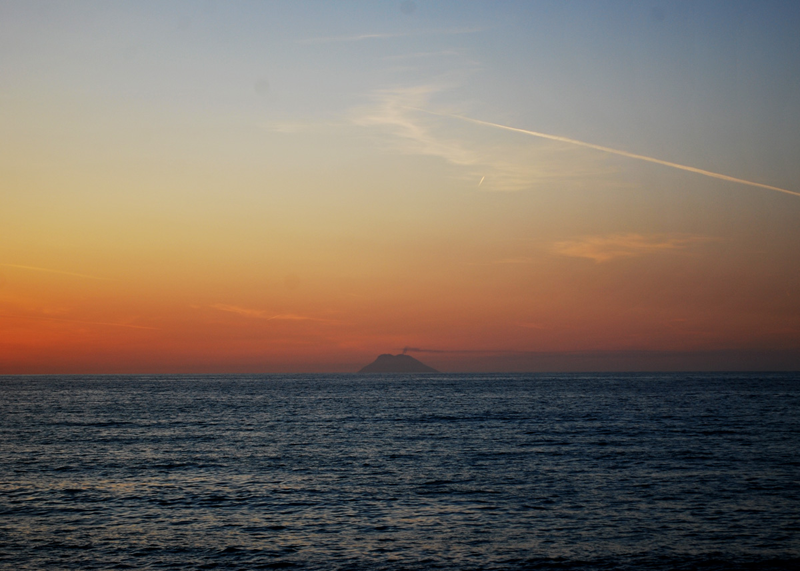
211 187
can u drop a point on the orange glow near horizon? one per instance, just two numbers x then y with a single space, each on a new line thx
273 201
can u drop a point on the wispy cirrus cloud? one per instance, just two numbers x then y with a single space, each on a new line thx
484 162
413 136
614 246
260 314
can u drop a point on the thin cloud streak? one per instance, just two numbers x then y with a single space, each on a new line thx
606 248
445 53
532 325
612 151
79 321
386 36
51 271
480 351
504 261
259 314
294 317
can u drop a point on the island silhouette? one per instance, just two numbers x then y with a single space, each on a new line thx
402 363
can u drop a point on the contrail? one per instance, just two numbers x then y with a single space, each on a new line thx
612 151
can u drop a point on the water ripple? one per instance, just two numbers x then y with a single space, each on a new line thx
514 472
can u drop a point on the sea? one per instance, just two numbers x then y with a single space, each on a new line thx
401 472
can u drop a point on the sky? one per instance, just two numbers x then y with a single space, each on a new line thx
265 187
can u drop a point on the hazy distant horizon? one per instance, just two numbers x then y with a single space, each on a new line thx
540 363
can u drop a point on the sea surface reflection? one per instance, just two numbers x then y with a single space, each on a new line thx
635 471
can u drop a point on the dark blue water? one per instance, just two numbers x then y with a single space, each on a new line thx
401 472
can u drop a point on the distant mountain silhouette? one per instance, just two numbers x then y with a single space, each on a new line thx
387 363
